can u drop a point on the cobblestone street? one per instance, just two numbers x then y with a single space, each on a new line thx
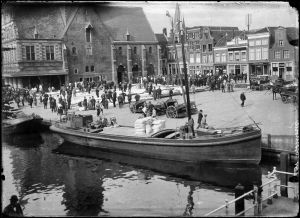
222 109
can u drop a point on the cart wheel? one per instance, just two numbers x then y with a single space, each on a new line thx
284 99
171 112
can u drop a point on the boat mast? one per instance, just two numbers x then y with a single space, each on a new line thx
188 104
176 56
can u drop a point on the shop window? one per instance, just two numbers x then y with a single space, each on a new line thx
80 79
87 69
30 53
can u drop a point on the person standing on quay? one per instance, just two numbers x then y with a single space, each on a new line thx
14 208
158 91
114 97
200 116
30 100
274 93
243 98
170 93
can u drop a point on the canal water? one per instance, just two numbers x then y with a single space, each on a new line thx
54 178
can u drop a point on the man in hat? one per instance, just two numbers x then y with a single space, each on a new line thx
200 116
243 98
14 208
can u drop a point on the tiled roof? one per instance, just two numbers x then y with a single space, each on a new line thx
46 19
214 28
220 38
161 38
118 19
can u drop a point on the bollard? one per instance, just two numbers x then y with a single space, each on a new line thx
239 204
284 164
269 141
255 200
226 208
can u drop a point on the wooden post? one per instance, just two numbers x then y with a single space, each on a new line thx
226 208
256 210
269 141
284 164
239 204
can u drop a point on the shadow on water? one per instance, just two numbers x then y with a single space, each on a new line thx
225 175
23 140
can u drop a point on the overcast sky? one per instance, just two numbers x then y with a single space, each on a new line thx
220 13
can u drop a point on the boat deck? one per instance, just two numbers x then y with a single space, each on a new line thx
121 130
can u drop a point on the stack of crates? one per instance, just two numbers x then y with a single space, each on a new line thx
87 119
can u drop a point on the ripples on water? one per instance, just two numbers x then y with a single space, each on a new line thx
71 181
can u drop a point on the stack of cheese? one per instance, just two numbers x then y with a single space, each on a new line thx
140 125
158 125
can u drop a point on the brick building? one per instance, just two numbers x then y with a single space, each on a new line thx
55 44
33 52
283 52
163 43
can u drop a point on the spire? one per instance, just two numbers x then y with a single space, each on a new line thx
177 18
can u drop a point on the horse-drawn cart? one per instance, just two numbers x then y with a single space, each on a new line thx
289 96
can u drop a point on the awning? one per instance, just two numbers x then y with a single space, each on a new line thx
35 73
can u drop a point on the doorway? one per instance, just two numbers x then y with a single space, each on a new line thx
281 71
120 73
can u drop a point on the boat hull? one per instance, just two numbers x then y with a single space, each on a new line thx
241 148
24 126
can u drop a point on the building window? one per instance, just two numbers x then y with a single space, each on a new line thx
210 58
281 43
204 59
251 54
87 69
230 56
258 42
74 51
217 57
223 57
89 50
75 71
286 54
277 54
134 50
191 57
243 55
288 66
50 52
251 43
92 68
88 34
264 42
237 56
120 50
198 59
258 54
204 48
30 54
80 79
150 50
265 53
209 47
275 66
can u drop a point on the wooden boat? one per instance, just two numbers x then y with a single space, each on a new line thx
26 124
239 146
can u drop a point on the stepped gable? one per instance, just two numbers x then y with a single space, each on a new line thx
45 18
120 19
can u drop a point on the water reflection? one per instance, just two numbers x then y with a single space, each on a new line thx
226 175
76 181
